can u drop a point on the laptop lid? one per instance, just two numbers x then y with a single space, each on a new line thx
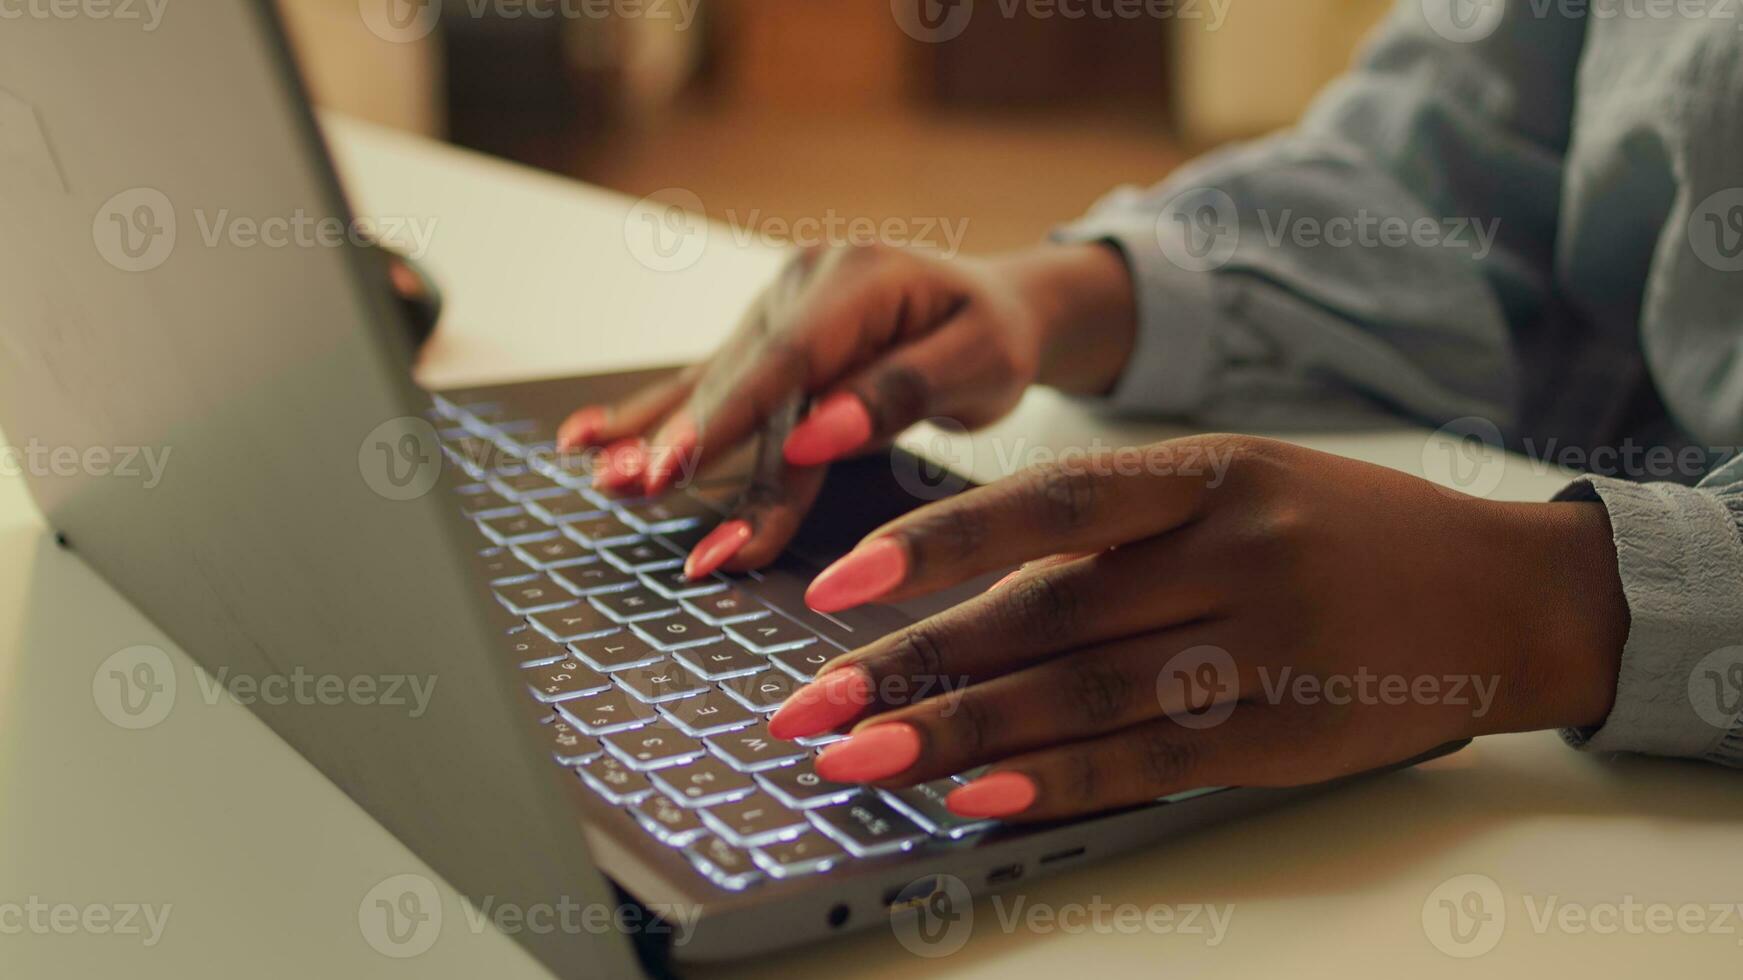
177 278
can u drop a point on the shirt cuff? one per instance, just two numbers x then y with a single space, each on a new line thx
1679 691
1171 366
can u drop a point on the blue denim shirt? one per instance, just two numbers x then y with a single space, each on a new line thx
1517 216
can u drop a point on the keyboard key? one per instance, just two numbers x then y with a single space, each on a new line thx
563 680
727 866
925 803
530 649
635 603
762 692
754 819
672 512
483 501
722 608
753 749
867 826
705 782
607 712
805 854
569 506
537 595
553 552
526 484
515 528
572 623
652 746
610 778
671 823
677 631
685 540
660 682
707 713
804 662
596 531
617 652
717 661
771 635
641 556
799 786
498 565
593 579
674 584
568 745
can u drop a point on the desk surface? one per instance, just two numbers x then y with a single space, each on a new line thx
1589 866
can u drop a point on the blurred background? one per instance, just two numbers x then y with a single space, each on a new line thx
1007 116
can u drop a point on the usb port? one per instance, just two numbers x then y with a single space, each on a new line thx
1004 875
1062 855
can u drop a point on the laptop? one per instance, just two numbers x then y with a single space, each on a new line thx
595 732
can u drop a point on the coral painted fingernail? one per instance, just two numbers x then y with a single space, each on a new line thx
716 549
823 705
674 442
581 429
867 572
1004 581
1000 794
834 428
623 465
871 754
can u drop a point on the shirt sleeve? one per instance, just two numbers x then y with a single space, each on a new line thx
1370 261
1680 551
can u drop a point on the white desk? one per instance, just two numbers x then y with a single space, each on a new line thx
264 862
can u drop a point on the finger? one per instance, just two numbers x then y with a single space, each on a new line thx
760 526
1070 606
597 425
1083 694
1254 746
1036 565
1100 502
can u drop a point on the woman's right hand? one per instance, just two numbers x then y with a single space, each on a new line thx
876 339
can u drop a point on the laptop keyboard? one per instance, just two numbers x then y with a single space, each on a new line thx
655 690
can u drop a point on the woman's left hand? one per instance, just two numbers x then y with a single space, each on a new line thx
1213 611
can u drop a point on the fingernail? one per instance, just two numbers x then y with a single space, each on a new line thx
869 571
834 428
581 429
676 440
871 754
1000 794
823 705
716 549
1002 582
624 462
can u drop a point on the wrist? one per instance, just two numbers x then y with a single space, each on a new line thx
1082 299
